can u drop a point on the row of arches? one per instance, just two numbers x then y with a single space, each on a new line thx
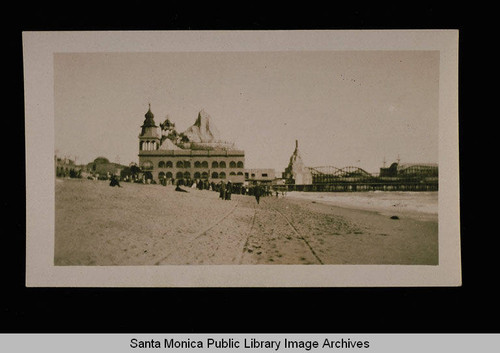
196 175
198 164
148 145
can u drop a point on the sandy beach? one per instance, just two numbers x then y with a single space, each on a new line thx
96 224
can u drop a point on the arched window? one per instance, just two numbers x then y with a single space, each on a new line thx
169 175
197 164
215 175
222 175
232 164
147 165
240 173
204 175
178 175
215 164
187 164
222 164
232 173
204 164
187 175
169 164
197 175
240 164
161 175
161 164
179 164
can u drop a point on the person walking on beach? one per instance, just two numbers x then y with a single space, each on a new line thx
222 190
257 192
228 190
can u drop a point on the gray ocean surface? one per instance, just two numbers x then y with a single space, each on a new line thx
386 202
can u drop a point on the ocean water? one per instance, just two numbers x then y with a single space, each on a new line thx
416 203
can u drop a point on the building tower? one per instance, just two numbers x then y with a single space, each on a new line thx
297 172
149 139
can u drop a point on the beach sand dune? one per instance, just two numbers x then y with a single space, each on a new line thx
96 224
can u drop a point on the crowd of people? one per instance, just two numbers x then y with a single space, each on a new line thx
225 189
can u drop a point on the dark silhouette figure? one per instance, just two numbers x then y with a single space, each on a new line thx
257 193
178 188
222 190
114 182
228 191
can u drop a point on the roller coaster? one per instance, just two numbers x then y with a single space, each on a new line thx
330 174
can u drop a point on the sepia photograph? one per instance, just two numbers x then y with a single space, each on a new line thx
287 158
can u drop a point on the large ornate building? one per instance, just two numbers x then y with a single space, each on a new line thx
195 154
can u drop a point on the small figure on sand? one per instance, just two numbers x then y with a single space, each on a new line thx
257 192
114 181
222 190
228 191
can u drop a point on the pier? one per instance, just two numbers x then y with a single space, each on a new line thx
355 179
364 186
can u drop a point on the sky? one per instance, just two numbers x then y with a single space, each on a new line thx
345 108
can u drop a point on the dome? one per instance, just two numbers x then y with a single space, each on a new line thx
149 121
149 128
101 160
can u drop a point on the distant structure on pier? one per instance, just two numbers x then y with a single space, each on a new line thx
195 154
297 172
428 170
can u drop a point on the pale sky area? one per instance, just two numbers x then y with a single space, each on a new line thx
344 107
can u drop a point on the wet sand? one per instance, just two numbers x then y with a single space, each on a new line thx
96 224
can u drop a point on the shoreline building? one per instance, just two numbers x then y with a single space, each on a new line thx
261 176
65 167
196 154
103 169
